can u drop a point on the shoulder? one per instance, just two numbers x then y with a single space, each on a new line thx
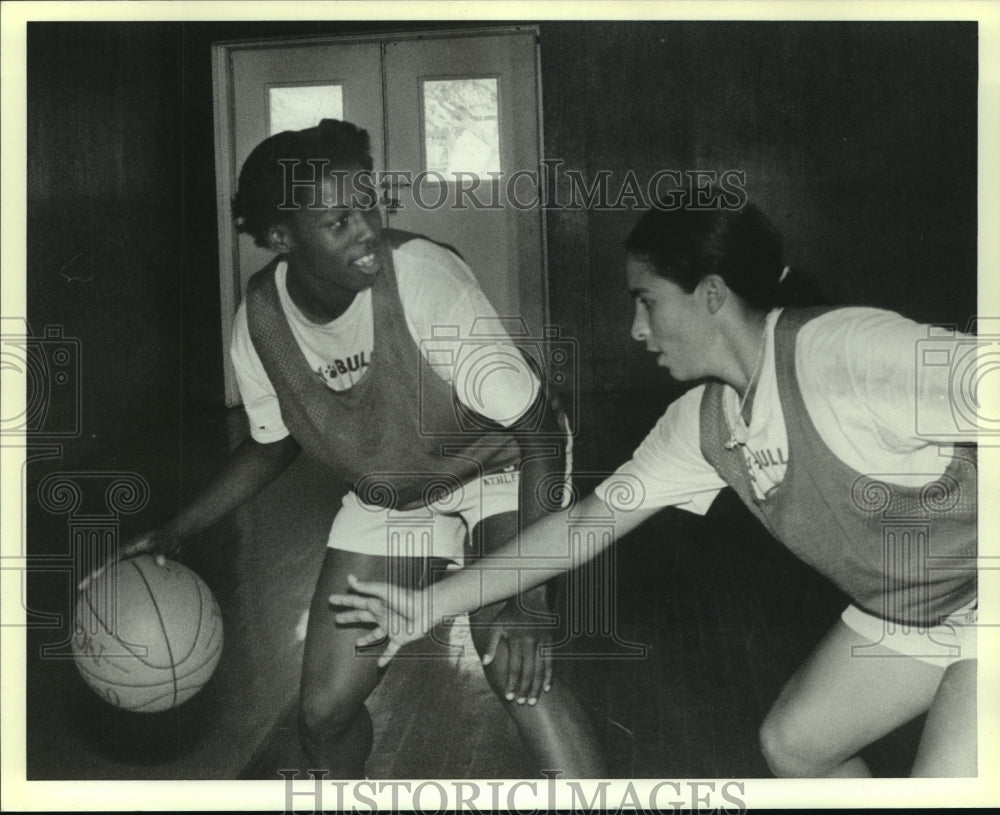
857 369
857 324
240 320
262 276
427 271
241 348
423 255
858 336
422 249
679 425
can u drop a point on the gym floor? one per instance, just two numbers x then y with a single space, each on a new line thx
710 618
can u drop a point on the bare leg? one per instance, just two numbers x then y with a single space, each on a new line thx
836 704
557 731
334 725
948 745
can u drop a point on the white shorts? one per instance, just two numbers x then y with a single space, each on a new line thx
438 530
951 641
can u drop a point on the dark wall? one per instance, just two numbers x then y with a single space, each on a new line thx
105 214
859 140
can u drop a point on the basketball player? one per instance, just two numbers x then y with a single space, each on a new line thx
334 353
824 423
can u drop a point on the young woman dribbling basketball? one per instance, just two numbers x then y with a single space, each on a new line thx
334 353
810 415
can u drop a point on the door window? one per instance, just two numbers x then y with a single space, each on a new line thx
461 126
296 107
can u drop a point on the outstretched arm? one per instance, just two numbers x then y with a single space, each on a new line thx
543 552
250 468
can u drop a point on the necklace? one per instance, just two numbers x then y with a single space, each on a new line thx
739 432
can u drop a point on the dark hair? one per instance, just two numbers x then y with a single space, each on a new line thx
261 188
741 246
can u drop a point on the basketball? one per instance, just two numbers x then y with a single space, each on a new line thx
147 637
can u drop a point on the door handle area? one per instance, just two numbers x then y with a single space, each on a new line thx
390 193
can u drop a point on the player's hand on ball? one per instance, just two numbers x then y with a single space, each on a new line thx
161 542
398 614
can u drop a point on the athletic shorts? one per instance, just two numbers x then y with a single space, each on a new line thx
437 530
951 641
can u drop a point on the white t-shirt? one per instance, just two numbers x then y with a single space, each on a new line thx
442 303
861 379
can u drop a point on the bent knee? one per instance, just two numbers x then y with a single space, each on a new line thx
320 709
789 750
960 678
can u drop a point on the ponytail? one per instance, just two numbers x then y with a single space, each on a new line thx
739 245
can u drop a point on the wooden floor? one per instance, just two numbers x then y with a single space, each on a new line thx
710 618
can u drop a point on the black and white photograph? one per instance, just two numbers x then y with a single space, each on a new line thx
500 406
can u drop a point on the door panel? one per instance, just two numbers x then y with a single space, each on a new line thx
502 244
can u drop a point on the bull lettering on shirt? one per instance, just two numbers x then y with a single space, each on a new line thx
766 468
342 367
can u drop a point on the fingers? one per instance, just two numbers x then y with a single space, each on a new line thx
377 634
491 649
539 678
355 616
141 546
371 588
390 651
529 655
529 672
350 600
127 552
366 609
82 585
369 602
515 661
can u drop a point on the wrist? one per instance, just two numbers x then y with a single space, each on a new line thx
174 531
439 602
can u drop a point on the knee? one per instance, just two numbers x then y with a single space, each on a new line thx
961 678
787 749
336 736
319 709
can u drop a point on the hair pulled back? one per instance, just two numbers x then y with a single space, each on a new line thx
262 182
738 245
